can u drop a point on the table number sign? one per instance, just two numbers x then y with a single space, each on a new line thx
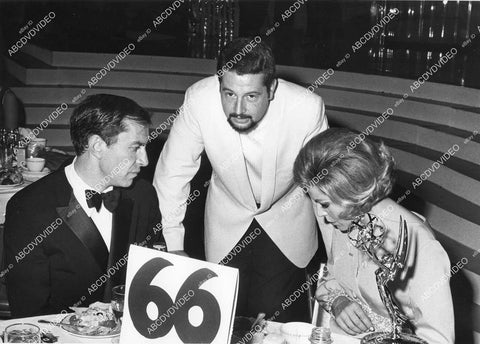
174 299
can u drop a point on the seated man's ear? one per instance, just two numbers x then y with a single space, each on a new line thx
272 89
96 146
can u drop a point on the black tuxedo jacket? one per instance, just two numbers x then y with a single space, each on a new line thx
56 256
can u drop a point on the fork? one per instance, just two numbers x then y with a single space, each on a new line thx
43 321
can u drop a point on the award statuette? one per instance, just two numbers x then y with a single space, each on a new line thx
367 233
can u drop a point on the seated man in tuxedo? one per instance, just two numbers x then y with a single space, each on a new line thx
67 235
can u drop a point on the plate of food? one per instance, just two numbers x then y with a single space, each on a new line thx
10 178
9 186
96 321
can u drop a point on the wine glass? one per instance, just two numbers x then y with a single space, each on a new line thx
118 297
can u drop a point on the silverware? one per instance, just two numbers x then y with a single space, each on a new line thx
43 321
257 321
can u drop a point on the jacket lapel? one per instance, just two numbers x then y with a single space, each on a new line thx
270 150
269 163
241 174
122 217
85 230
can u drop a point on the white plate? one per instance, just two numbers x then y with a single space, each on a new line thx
11 186
70 329
45 170
34 176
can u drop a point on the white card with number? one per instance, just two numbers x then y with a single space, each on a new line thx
173 299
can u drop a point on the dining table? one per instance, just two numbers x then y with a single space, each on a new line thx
65 336
337 338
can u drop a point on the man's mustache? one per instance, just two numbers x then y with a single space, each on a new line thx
239 116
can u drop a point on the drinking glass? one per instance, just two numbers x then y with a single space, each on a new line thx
160 247
36 148
22 333
118 297
8 139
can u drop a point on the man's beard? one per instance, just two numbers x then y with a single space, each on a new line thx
242 129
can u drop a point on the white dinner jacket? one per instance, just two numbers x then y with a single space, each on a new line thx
285 214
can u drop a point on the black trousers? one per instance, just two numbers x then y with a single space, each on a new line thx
269 282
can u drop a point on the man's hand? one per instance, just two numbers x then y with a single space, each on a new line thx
350 316
179 253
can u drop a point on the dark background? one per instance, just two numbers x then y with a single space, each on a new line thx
317 35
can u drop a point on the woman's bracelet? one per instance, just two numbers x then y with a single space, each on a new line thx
335 294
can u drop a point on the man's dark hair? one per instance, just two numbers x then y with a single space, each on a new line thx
103 115
258 60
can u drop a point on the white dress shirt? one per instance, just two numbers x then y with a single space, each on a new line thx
102 218
252 143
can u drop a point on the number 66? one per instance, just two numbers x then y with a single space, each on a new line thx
142 293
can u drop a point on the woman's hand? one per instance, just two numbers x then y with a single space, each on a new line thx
350 316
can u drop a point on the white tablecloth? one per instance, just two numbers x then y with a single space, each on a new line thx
66 337
274 327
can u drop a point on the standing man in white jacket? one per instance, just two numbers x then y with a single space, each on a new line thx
251 126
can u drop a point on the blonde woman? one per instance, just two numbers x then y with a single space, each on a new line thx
354 187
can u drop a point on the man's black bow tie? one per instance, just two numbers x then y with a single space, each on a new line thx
110 199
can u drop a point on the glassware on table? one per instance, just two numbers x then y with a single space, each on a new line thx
320 335
160 247
22 333
118 297
8 141
36 148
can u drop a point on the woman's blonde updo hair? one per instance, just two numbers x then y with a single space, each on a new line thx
351 169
